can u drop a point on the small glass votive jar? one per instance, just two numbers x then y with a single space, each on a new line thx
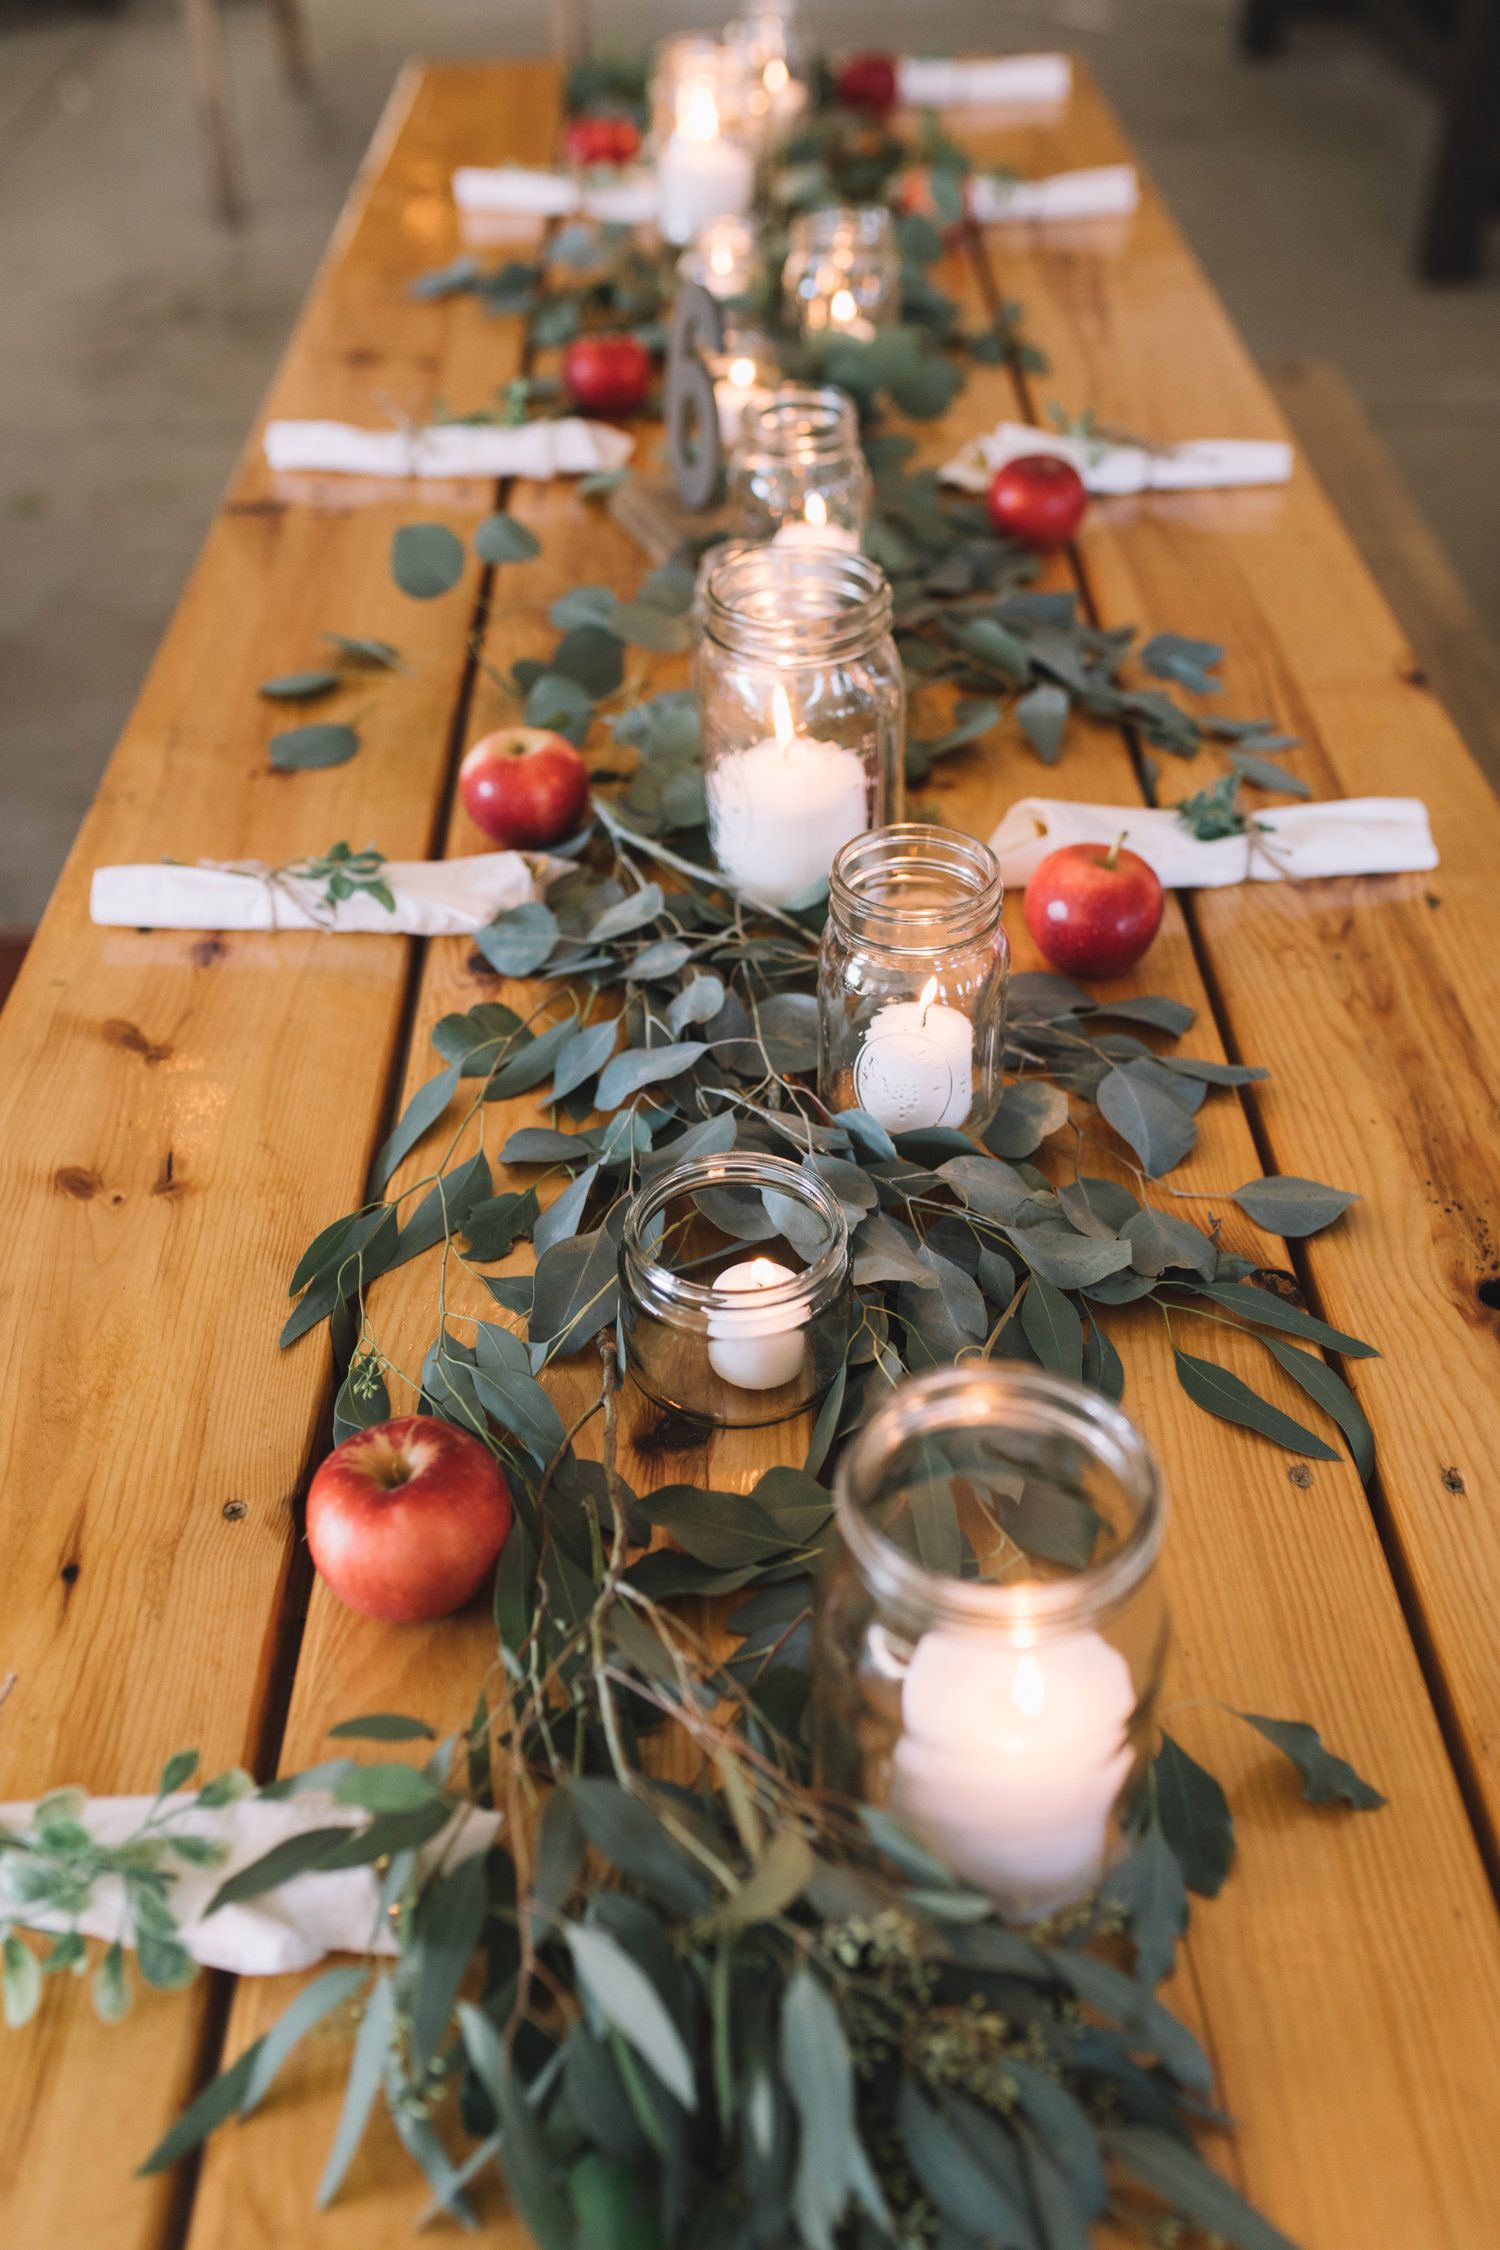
725 256
1002 1707
842 275
802 707
776 96
798 473
735 1300
912 980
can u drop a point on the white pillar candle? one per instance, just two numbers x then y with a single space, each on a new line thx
761 1347
780 812
700 175
813 529
915 1066
1011 1760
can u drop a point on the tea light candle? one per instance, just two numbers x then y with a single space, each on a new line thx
813 529
780 811
700 175
1011 1759
725 257
732 393
762 1347
915 1068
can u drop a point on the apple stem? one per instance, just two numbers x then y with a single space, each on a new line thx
1111 858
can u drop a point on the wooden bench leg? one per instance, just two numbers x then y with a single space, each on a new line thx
1262 28
1460 197
210 66
291 38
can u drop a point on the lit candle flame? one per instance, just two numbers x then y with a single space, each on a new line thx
816 511
742 374
761 1273
1028 1689
776 75
842 309
926 997
721 259
781 717
698 114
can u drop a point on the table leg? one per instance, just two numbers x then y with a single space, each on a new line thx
1461 192
205 34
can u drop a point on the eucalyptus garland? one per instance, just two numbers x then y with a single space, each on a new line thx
747 2010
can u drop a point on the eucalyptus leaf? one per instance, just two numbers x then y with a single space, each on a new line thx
518 941
1052 1327
1218 1392
298 687
1327 1779
1292 1207
307 749
1157 1128
1333 1394
1194 1815
427 559
504 539
625 1997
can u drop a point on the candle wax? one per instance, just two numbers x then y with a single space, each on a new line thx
701 179
915 1067
1011 1760
798 532
761 1347
780 812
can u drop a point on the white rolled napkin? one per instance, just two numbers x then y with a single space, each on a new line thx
1345 836
1105 191
931 82
569 447
434 897
629 199
287 1928
1117 469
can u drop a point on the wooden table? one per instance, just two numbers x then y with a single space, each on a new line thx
178 1115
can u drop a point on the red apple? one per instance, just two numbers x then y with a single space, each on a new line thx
525 787
1093 908
607 374
1039 498
405 1519
868 82
601 140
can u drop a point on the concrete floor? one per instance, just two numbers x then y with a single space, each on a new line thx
137 334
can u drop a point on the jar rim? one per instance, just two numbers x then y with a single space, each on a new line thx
869 222
672 1295
969 864
806 421
762 600
927 1403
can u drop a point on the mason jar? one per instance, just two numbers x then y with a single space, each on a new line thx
705 166
912 980
735 1299
798 473
991 1628
842 275
725 256
802 709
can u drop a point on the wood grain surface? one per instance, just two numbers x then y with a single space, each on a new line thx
1348 1980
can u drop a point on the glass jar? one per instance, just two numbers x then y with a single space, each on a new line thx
705 168
912 980
777 96
842 275
726 257
1000 1703
802 707
798 473
735 1300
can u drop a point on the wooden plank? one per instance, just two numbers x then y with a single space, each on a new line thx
1374 504
177 1114
1283 1604
1373 1000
